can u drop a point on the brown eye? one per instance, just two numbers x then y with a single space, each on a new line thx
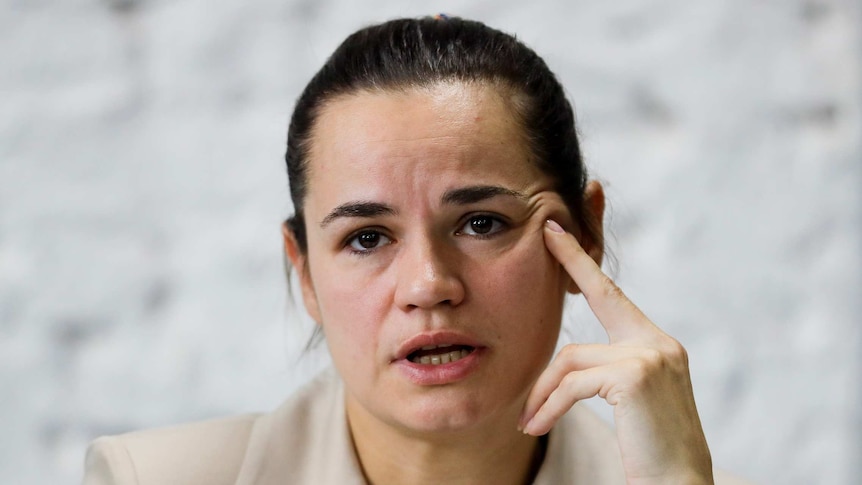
368 241
482 225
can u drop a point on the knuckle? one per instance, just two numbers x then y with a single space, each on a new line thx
640 371
575 357
674 353
569 381
653 359
677 352
568 351
644 368
670 359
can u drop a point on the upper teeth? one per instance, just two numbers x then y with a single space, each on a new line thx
441 358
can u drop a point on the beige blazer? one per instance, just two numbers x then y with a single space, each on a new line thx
307 441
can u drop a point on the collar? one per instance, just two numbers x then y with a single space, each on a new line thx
307 440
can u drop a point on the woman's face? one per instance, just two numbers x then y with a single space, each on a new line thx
424 222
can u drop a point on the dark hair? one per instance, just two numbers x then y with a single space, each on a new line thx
407 53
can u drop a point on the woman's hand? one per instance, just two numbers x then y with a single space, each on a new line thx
642 372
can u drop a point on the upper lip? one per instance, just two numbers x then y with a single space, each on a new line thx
440 337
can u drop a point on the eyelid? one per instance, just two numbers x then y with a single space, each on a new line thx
346 243
352 233
504 221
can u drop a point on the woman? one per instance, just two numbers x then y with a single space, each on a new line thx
442 213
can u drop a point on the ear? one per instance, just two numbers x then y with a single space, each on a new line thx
592 235
594 208
299 260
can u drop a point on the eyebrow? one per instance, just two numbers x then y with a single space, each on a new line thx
460 196
357 209
478 193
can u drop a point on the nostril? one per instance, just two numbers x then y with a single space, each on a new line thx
413 306
427 288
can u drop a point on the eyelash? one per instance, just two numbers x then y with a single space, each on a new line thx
498 225
348 243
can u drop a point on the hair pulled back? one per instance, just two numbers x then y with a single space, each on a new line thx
407 53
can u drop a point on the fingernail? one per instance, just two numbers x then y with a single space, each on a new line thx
552 225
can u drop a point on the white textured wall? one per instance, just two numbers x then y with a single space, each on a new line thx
141 188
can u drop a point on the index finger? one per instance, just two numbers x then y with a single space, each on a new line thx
621 318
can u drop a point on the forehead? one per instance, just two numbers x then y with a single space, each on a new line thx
365 140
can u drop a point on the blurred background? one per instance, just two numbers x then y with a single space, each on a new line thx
142 186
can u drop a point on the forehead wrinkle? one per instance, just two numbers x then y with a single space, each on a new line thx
478 134
543 196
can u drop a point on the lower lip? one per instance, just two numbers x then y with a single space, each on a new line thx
435 375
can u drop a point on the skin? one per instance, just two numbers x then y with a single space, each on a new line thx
395 159
642 372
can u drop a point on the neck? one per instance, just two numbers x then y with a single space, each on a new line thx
495 452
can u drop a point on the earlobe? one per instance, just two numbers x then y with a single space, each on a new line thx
299 260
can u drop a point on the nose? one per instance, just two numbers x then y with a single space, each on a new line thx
428 276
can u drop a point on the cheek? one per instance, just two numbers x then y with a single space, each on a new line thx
524 280
351 306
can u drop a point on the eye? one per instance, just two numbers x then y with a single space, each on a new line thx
367 241
482 226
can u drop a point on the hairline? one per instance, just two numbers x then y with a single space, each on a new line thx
514 99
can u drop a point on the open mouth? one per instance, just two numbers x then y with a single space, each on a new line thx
439 354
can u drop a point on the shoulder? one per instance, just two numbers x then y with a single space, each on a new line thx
306 440
204 452
240 449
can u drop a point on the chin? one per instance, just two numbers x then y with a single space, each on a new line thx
442 414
